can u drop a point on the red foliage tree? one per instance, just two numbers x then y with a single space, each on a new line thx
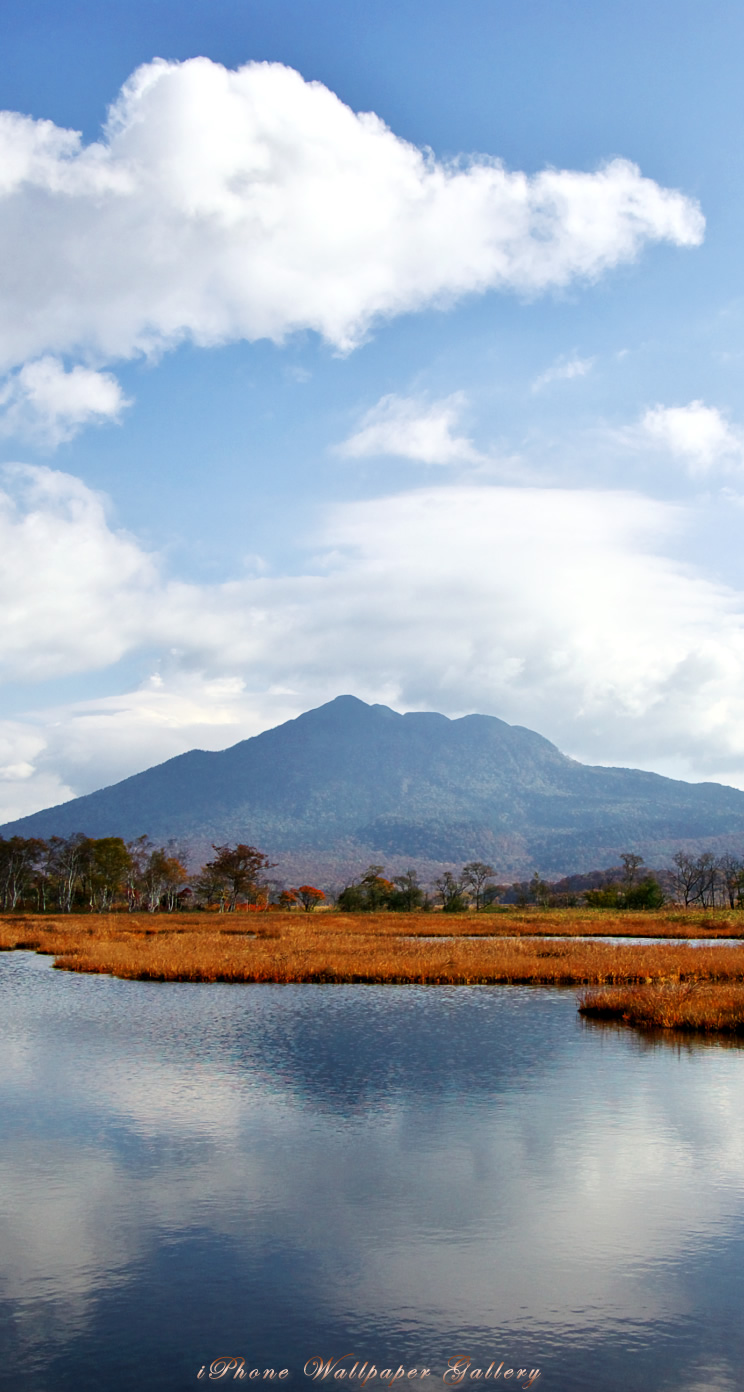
308 896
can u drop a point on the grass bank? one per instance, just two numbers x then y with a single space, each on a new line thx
716 1007
389 948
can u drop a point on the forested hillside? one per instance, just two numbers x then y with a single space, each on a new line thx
350 783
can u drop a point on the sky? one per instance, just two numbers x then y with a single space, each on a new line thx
385 348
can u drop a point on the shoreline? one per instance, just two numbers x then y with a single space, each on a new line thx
668 985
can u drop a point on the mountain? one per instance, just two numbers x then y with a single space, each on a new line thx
349 783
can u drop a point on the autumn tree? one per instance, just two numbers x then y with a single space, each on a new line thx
369 893
161 880
234 874
108 863
308 896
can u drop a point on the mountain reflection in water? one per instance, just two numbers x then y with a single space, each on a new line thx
404 1173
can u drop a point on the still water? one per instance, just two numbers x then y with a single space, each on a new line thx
406 1175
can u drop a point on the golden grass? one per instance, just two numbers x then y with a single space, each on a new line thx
383 947
717 1007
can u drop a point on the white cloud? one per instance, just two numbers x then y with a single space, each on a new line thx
72 590
42 401
413 429
25 784
92 743
564 370
245 204
554 608
698 434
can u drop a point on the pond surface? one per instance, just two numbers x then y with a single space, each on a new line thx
620 940
405 1175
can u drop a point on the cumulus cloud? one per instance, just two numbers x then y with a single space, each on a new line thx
697 434
564 370
411 428
28 780
554 608
72 590
43 401
222 204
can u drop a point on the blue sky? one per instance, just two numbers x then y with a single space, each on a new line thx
388 348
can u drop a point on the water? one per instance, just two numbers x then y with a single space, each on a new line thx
402 1174
621 940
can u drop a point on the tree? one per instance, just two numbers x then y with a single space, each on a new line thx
308 896
630 894
69 861
731 873
209 886
19 857
450 890
42 882
644 894
140 851
709 880
408 894
234 873
161 880
694 879
605 897
540 891
475 876
108 863
492 893
367 895
631 865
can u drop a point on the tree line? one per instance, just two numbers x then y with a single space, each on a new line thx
705 880
74 873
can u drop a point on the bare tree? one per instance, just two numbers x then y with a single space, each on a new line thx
731 873
631 865
70 858
710 878
19 857
475 876
695 878
451 892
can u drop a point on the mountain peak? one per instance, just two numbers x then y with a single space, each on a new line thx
350 783
345 707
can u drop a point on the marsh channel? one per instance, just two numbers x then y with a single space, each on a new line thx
397 1176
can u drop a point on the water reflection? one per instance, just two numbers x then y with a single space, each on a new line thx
406 1172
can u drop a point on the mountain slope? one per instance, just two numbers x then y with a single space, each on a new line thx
349 783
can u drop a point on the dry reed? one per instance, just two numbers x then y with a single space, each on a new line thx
384 948
712 1008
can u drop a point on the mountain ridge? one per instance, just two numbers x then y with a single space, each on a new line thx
348 783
